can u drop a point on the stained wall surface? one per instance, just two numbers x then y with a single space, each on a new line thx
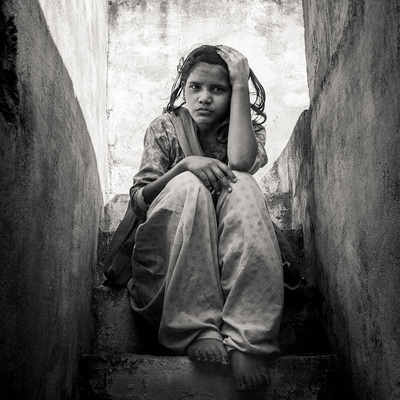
147 39
52 88
342 171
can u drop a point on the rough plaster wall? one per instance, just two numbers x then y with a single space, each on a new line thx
51 194
79 31
147 38
343 174
355 126
286 187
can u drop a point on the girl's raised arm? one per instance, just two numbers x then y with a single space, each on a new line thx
242 144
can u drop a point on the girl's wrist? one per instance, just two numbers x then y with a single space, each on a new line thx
240 85
181 166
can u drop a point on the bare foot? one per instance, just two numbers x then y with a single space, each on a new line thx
208 350
249 371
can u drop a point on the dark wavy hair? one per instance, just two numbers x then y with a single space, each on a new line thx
208 54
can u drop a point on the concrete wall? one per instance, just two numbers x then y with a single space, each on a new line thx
147 39
341 170
52 97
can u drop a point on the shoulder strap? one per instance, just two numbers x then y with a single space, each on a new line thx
117 263
185 132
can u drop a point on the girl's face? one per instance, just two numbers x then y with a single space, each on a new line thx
207 93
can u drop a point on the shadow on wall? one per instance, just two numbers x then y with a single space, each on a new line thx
50 202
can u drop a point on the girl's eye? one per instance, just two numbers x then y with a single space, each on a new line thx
194 87
218 90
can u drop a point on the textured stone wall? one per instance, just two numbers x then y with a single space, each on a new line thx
79 30
147 39
52 89
341 170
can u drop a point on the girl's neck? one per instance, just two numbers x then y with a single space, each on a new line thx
206 132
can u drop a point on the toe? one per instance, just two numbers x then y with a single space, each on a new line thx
240 384
223 356
203 356
257 382
241 387
226 361
197 355
211 357
265 379
191 355
218 355
248 380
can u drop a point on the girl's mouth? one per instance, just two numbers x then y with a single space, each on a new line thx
203 110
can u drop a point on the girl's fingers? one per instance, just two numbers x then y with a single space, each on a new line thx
227 171
213 181
230 52
222 178
224 54
211 172
238 66
204 178
223 51
225 48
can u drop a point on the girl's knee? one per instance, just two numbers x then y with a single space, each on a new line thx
245 191
244 179
187 182
180 191
185 178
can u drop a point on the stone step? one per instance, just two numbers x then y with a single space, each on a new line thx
143 377
123 369
118 330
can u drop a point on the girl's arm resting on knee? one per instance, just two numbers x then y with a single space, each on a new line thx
210 171
152 190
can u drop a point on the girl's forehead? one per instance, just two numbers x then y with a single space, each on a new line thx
209 72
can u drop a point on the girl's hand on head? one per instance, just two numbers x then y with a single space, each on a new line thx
238 66
210 171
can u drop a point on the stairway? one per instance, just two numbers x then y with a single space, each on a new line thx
128 363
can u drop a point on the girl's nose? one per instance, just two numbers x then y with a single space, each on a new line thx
205 97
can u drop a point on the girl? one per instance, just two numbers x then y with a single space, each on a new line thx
206 264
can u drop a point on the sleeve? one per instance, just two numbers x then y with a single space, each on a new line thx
261 157
155 163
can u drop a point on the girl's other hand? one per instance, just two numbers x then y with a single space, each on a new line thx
210 171
238 66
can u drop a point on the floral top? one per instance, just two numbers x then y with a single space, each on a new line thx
162 152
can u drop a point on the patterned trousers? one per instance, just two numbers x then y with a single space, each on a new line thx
206 270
